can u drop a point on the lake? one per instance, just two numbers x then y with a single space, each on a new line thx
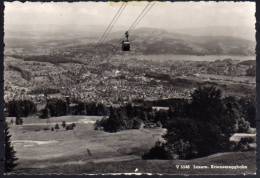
173 57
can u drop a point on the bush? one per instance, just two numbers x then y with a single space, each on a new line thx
18 121
63 124
159 151
242 125
177 150
70 126
99 124
183 149
161 116
56 127
137 124
243 144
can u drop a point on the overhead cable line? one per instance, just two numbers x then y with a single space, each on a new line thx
139 20
115 18
145 10
118 11
147 5
115 21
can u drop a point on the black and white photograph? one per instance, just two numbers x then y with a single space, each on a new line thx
130 87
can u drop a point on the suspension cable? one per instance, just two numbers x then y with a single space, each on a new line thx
115 22
115 18
146 9
149 8
147 5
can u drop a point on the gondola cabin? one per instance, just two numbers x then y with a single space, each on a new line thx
125 45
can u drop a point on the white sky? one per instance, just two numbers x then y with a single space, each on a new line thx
162 15
165 15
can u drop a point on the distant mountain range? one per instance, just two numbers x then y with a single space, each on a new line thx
148 41
244 32
156 41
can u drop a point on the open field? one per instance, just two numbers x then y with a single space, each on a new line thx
85 150
38 148
157 166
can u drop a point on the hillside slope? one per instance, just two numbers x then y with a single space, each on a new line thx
143 41
156 41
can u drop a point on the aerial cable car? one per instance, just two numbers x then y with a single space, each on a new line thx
126 43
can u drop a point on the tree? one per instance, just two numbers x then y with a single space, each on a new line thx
63 124
242 125
114 123
80 108
236 112
18 121
101 110
137 123
215 119
56 127
159 151
10 158
15 109
206 129
206 103
248 108
21 108
129 110
57 107
251 71
45 113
